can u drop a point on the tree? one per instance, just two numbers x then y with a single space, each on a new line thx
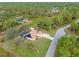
66 46
44 25
24 28
11 33
67 16
74 27
64 52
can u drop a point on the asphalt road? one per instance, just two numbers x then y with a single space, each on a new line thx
60 32
50 53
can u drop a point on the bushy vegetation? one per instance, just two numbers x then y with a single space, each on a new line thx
75 27
68 46
36 11
11 33
43 17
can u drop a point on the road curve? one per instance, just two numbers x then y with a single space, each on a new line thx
60 32
53 44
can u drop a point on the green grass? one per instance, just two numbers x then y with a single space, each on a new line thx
27 48
4 53
41 45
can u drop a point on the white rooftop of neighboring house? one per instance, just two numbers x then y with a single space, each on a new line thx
55 9
23 20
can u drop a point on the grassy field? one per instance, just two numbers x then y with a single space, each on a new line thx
29 48
4 53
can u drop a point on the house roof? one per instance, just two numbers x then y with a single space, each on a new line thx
21 20
34 33
25 35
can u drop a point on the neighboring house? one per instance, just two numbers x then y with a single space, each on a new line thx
55 10
21 20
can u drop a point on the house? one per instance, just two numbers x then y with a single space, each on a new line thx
26 35
21 20
55 10
29 35
34 34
